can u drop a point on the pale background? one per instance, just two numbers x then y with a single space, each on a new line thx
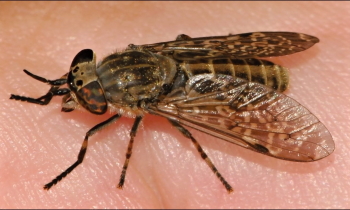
38 142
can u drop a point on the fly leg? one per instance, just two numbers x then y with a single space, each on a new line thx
57 82
129 151
187 134
45 99
83 149
54 90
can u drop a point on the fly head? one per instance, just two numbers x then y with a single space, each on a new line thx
84 84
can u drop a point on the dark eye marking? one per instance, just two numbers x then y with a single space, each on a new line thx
79 83
75 70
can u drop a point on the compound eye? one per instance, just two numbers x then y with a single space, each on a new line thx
92 98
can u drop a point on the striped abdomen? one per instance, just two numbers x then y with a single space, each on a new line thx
255 70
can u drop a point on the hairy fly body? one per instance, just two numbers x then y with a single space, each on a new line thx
218 85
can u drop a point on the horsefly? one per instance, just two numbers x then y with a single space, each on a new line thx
217 85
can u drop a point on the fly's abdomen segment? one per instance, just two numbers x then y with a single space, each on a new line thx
252 69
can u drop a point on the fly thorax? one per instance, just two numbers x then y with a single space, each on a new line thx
133 76
84 84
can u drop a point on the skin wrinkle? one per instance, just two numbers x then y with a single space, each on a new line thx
43 38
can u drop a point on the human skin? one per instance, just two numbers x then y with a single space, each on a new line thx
38 142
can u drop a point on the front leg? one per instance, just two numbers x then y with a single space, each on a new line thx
54 90
83 149
45 99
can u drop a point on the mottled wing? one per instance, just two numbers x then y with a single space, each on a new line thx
250 115
247 45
